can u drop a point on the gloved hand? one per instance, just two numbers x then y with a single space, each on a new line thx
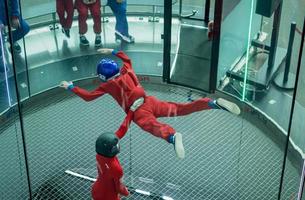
66 85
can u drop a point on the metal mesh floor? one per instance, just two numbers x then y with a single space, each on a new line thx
226 156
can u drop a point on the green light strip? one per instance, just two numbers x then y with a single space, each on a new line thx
248 49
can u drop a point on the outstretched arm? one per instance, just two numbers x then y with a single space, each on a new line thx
84 94
120 54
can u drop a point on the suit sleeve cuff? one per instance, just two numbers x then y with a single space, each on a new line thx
70 87
114 52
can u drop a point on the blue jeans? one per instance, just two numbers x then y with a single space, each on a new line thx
1 46
16 35
21 31
119 10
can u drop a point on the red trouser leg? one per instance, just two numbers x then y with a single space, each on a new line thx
148 122
63 6
172 109
70 12
82 16
146 116
95 10
60 9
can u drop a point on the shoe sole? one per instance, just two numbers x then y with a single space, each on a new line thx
231 107
121 37
85 45
179 146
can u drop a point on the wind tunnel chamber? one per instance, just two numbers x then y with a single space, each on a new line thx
47 134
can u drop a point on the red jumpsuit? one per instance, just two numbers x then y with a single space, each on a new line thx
108 185
95 10
125 89
64 7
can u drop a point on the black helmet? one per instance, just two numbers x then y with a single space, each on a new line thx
107 144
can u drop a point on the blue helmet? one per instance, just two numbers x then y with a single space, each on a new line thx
107 69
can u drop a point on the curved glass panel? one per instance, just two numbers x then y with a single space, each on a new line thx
14 182
234 50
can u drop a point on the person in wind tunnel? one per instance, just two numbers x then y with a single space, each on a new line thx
123 85
109 184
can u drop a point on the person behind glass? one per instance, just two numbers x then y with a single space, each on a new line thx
123 85
20 26
2 56
109 184
82 7
118 8
65 11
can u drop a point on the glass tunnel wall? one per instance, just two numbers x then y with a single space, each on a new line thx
231 159
254 73
13 173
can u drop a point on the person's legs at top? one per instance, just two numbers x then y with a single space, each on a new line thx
82 21
121 27
69 7
20 33
95 10
60 10
65 11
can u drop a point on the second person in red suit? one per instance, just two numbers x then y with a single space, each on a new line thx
109 184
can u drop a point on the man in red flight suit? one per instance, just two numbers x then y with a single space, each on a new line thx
65 10
108 185
83 6
122 84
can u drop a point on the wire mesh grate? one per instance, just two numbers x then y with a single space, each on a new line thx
226 156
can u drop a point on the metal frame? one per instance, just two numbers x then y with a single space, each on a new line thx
167 30
215 45
20 114
291 117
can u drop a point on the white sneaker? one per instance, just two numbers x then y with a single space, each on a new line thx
228 106
179 145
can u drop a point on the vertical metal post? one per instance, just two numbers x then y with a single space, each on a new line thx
215 45
207 11
274 36
289 51
25 59
180 9
291 113
19 103
299 64
167 39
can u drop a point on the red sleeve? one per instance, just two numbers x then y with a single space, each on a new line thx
87 95
126 60
120 133
119 186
